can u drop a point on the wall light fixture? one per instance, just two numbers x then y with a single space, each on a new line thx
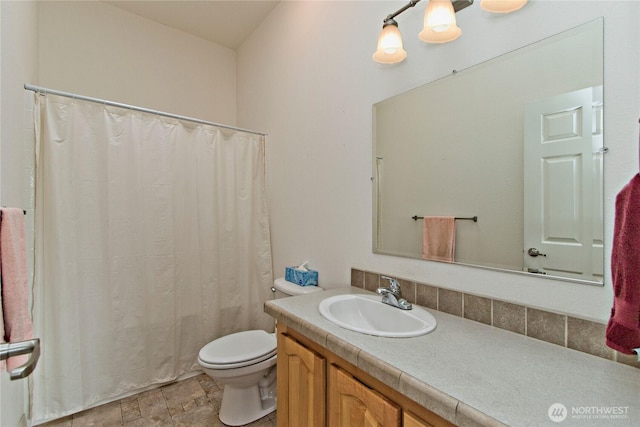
439 25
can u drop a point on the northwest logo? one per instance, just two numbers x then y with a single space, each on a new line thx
557 412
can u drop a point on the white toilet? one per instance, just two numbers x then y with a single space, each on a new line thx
245 362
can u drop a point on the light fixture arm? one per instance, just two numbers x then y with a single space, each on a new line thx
409 5
458 5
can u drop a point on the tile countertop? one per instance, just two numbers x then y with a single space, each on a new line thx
473 374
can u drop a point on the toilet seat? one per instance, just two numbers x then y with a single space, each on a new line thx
239 349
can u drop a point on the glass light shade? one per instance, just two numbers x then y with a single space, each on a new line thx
439 23
502 6
390 49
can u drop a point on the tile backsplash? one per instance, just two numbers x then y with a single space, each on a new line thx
557 328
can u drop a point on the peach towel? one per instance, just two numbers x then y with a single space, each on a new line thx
15 293
439 238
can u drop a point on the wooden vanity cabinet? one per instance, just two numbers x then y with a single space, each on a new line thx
301 385
410 420
317 388
352 403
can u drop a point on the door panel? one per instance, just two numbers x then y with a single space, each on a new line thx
301 385
410 420
353 404
562 209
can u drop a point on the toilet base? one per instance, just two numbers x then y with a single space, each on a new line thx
242 405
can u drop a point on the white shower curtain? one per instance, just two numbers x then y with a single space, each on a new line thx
152 238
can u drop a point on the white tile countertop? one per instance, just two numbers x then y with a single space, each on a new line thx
473 374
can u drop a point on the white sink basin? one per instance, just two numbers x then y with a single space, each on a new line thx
368 315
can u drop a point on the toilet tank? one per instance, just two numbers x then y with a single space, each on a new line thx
285 289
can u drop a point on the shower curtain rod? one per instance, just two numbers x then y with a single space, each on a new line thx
43 90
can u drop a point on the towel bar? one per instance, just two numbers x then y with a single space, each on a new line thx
23 211
473 218
17 348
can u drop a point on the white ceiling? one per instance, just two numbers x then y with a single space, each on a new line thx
225 22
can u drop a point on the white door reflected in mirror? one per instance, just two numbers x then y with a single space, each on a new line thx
562 163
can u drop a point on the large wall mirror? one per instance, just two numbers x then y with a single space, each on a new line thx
517 142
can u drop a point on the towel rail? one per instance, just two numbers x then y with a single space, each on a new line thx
23 347
23 211
473 218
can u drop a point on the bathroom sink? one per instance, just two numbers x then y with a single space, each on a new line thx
368 315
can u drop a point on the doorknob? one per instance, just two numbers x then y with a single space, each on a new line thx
534 252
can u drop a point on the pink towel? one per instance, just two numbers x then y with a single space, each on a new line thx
623 330
15 293
439 238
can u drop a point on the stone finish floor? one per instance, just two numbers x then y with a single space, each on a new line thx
193 402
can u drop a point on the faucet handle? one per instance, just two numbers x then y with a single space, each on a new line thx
393 284
404 304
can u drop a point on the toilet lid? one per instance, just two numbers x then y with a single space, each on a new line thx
239 347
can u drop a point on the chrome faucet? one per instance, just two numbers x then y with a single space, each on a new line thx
392 295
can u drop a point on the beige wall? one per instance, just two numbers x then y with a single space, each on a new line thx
97 50
313 95
19 54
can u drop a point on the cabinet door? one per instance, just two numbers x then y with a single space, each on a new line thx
410 420
353 404
301 385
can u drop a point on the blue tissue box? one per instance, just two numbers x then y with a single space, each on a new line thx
302 278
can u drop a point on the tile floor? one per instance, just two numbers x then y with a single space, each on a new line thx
193 402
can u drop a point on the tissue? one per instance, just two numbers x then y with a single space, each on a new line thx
301 275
